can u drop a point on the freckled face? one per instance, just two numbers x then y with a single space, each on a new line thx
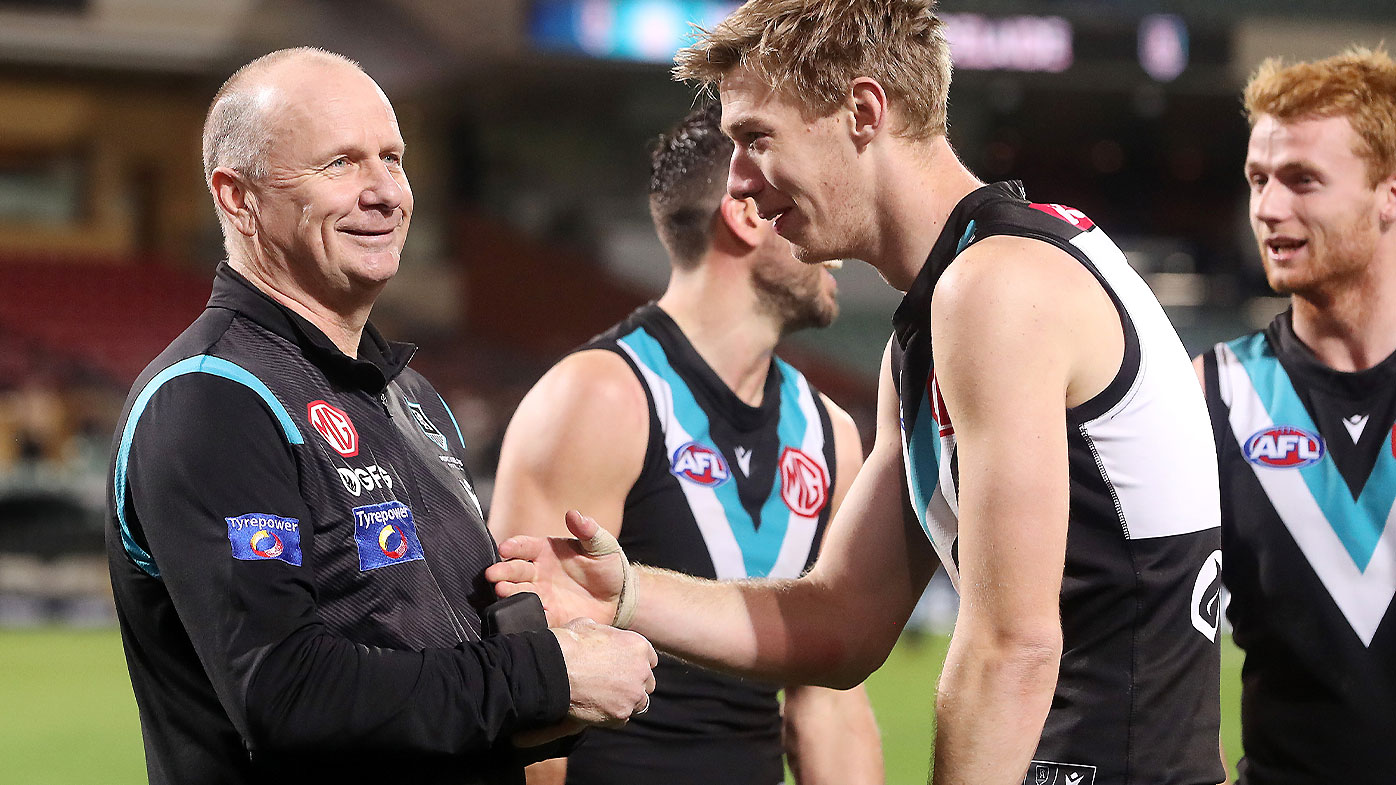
1313 211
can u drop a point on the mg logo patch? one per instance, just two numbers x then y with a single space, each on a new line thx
804 485
1284 447
701 465
334 425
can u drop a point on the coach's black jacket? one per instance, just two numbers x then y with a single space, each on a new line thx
297 560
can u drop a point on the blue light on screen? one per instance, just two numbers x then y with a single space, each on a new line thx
641 30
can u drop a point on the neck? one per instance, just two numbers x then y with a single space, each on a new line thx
1353 328
919 189
343 326
719 313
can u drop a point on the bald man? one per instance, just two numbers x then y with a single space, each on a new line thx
295 545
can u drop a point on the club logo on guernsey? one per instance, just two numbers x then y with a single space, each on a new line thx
1284 447
804 485
334 425
426 425
258 536
385 534
699 464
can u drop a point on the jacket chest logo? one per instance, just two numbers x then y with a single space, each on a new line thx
385 534
333 424
425 424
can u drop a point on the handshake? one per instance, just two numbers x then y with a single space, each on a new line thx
610 671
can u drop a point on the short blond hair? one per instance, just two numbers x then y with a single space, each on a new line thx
1359 84
815 48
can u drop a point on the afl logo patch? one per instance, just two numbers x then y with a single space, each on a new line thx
804 485
699 464
334 425
1284 447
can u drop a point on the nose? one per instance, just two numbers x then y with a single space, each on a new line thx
744 179
385 188
1271 203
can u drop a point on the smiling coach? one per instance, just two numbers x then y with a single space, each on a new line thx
295 545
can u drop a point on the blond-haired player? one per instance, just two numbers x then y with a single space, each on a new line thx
1040 435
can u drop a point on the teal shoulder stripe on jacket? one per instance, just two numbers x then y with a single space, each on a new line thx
203 363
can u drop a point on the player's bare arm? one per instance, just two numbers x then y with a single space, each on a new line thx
1021 331
832 627
576 441
831 736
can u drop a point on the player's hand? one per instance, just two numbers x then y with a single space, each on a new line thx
575 578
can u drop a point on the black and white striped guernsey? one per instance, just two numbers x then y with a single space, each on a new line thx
1136 700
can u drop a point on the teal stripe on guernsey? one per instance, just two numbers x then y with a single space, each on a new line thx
1357 522
923 449
450 414
760 547
965 238
791 430
203 363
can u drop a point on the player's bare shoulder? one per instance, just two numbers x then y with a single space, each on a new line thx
1006 295
588 405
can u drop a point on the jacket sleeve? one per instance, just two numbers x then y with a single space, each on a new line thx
209 466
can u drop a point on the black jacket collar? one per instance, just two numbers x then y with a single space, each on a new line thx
379 361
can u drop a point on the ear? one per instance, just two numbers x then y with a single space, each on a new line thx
1386 194
742 220
234 199
868 104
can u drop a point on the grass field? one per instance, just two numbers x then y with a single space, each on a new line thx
67 716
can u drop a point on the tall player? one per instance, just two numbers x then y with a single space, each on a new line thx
1035 402
706 454
1303 413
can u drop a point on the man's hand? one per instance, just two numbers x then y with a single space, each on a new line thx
610 673
575 578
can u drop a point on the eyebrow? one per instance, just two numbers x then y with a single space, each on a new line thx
740 125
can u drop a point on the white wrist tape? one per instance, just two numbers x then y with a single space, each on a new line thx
604 543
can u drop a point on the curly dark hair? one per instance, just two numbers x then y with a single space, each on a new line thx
688 176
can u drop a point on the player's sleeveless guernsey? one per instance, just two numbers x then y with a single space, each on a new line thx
727 491
1308 467
1137 699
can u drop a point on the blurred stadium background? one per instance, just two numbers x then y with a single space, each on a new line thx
528 124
